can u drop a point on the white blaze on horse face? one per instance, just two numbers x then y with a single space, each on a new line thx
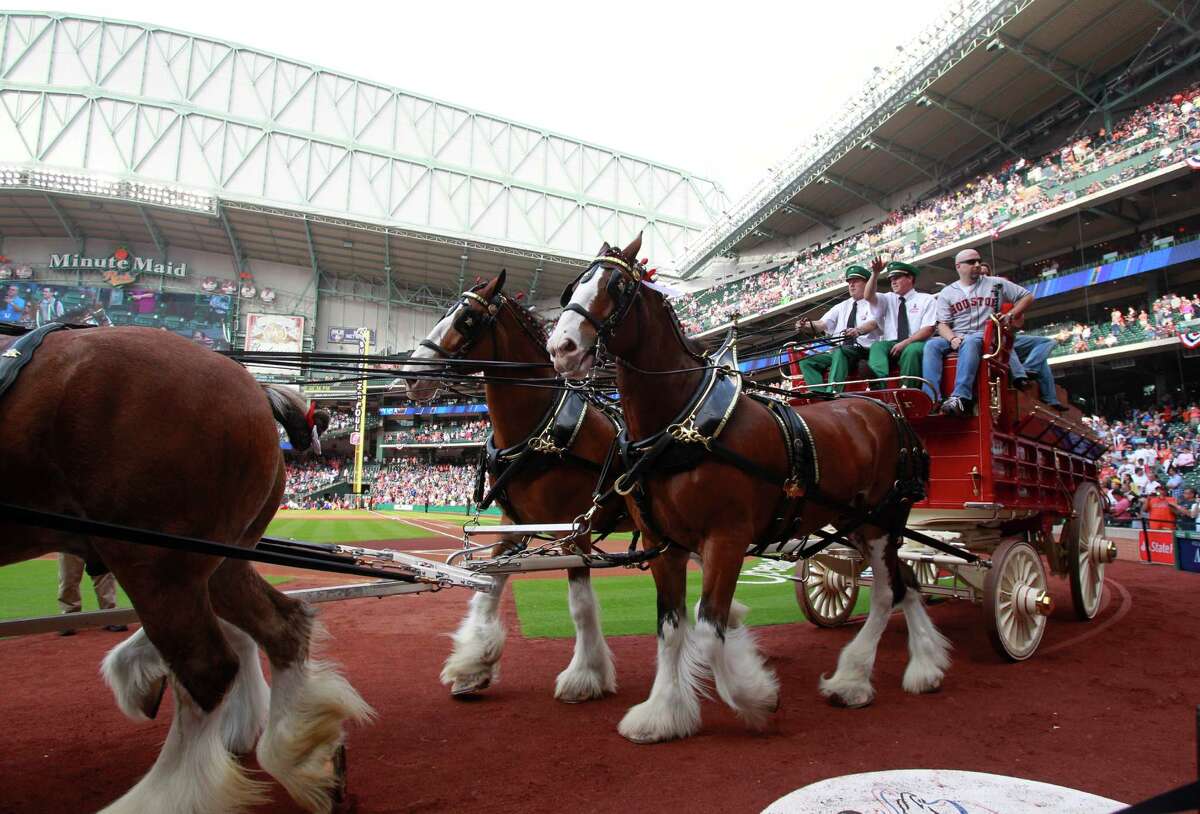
571 341
420 388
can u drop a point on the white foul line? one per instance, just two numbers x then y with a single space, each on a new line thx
417 524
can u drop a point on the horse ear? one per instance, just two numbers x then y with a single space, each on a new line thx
499 286
605 249
631 251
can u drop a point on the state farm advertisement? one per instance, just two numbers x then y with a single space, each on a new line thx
1156 545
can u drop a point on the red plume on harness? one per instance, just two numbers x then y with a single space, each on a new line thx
308 417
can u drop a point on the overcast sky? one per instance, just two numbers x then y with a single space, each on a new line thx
722 95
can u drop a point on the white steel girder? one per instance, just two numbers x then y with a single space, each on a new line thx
132 102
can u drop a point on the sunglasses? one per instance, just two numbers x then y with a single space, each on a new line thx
974 262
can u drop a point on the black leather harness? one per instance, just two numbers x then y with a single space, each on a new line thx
18 354
547 445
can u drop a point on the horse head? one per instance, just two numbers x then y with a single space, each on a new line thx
594 309
463 332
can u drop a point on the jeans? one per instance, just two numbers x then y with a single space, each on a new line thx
1030 355
968 365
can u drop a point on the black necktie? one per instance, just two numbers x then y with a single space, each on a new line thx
902 323
851 322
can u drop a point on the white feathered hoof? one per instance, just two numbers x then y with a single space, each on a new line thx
575 685
847 693
654 722
922 677
471 684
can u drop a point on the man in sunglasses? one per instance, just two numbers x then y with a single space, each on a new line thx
963 310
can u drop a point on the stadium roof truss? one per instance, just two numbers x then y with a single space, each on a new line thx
272 158
977 85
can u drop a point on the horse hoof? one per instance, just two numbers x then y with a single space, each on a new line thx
152 700
470 685
838 701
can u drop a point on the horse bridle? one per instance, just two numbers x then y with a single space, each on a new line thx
469 324
622 289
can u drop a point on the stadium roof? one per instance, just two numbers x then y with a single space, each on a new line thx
986 89
292 147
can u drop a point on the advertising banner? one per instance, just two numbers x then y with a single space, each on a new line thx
266 333
1156 546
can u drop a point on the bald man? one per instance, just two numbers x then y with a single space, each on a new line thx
963 309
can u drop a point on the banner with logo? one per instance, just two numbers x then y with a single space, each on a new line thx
1156 546
273 333
349 336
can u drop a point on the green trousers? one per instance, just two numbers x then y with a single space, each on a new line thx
879 360
838 363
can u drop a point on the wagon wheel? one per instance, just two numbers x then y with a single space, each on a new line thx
1015 600
1087 551
826 597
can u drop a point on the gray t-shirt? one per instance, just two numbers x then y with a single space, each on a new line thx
966 308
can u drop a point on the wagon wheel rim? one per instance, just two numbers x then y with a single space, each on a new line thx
828 596
1019 582
1091 539
1088 551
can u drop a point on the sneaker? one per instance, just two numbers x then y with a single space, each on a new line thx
1020 384
1062 408
953 406
116 628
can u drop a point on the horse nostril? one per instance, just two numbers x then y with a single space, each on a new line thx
567 345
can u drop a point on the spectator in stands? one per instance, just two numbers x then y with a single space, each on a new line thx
906 317
1191 508
1161 511
852 324
49 307
964 307
1120 510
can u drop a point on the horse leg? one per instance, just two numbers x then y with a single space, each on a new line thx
248 699
672 710
309 699
137 675
743 680
928 649
194 773
850 684
591 673
473 663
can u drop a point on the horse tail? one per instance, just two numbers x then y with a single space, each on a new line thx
302 422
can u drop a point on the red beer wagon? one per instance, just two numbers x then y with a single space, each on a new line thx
1001 481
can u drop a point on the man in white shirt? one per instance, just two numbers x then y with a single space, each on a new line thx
906 318
963 308
856 329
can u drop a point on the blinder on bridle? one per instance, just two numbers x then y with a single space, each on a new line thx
469 324
622 289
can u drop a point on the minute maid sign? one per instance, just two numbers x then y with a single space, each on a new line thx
120 268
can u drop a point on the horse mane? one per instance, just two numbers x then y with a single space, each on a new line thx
690 345
535 326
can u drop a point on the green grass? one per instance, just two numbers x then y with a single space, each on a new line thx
627 603
333 530
31 589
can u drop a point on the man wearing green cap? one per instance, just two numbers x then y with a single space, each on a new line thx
906 318
854 329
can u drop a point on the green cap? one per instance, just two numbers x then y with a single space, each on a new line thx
857 273
900 267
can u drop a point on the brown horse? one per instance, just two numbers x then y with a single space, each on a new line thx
722 504
143 428
485 325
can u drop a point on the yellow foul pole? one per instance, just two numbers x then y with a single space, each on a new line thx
360 416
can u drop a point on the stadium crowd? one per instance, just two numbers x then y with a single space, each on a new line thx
1159 134
441 433
1153 456
1168 315
405 481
